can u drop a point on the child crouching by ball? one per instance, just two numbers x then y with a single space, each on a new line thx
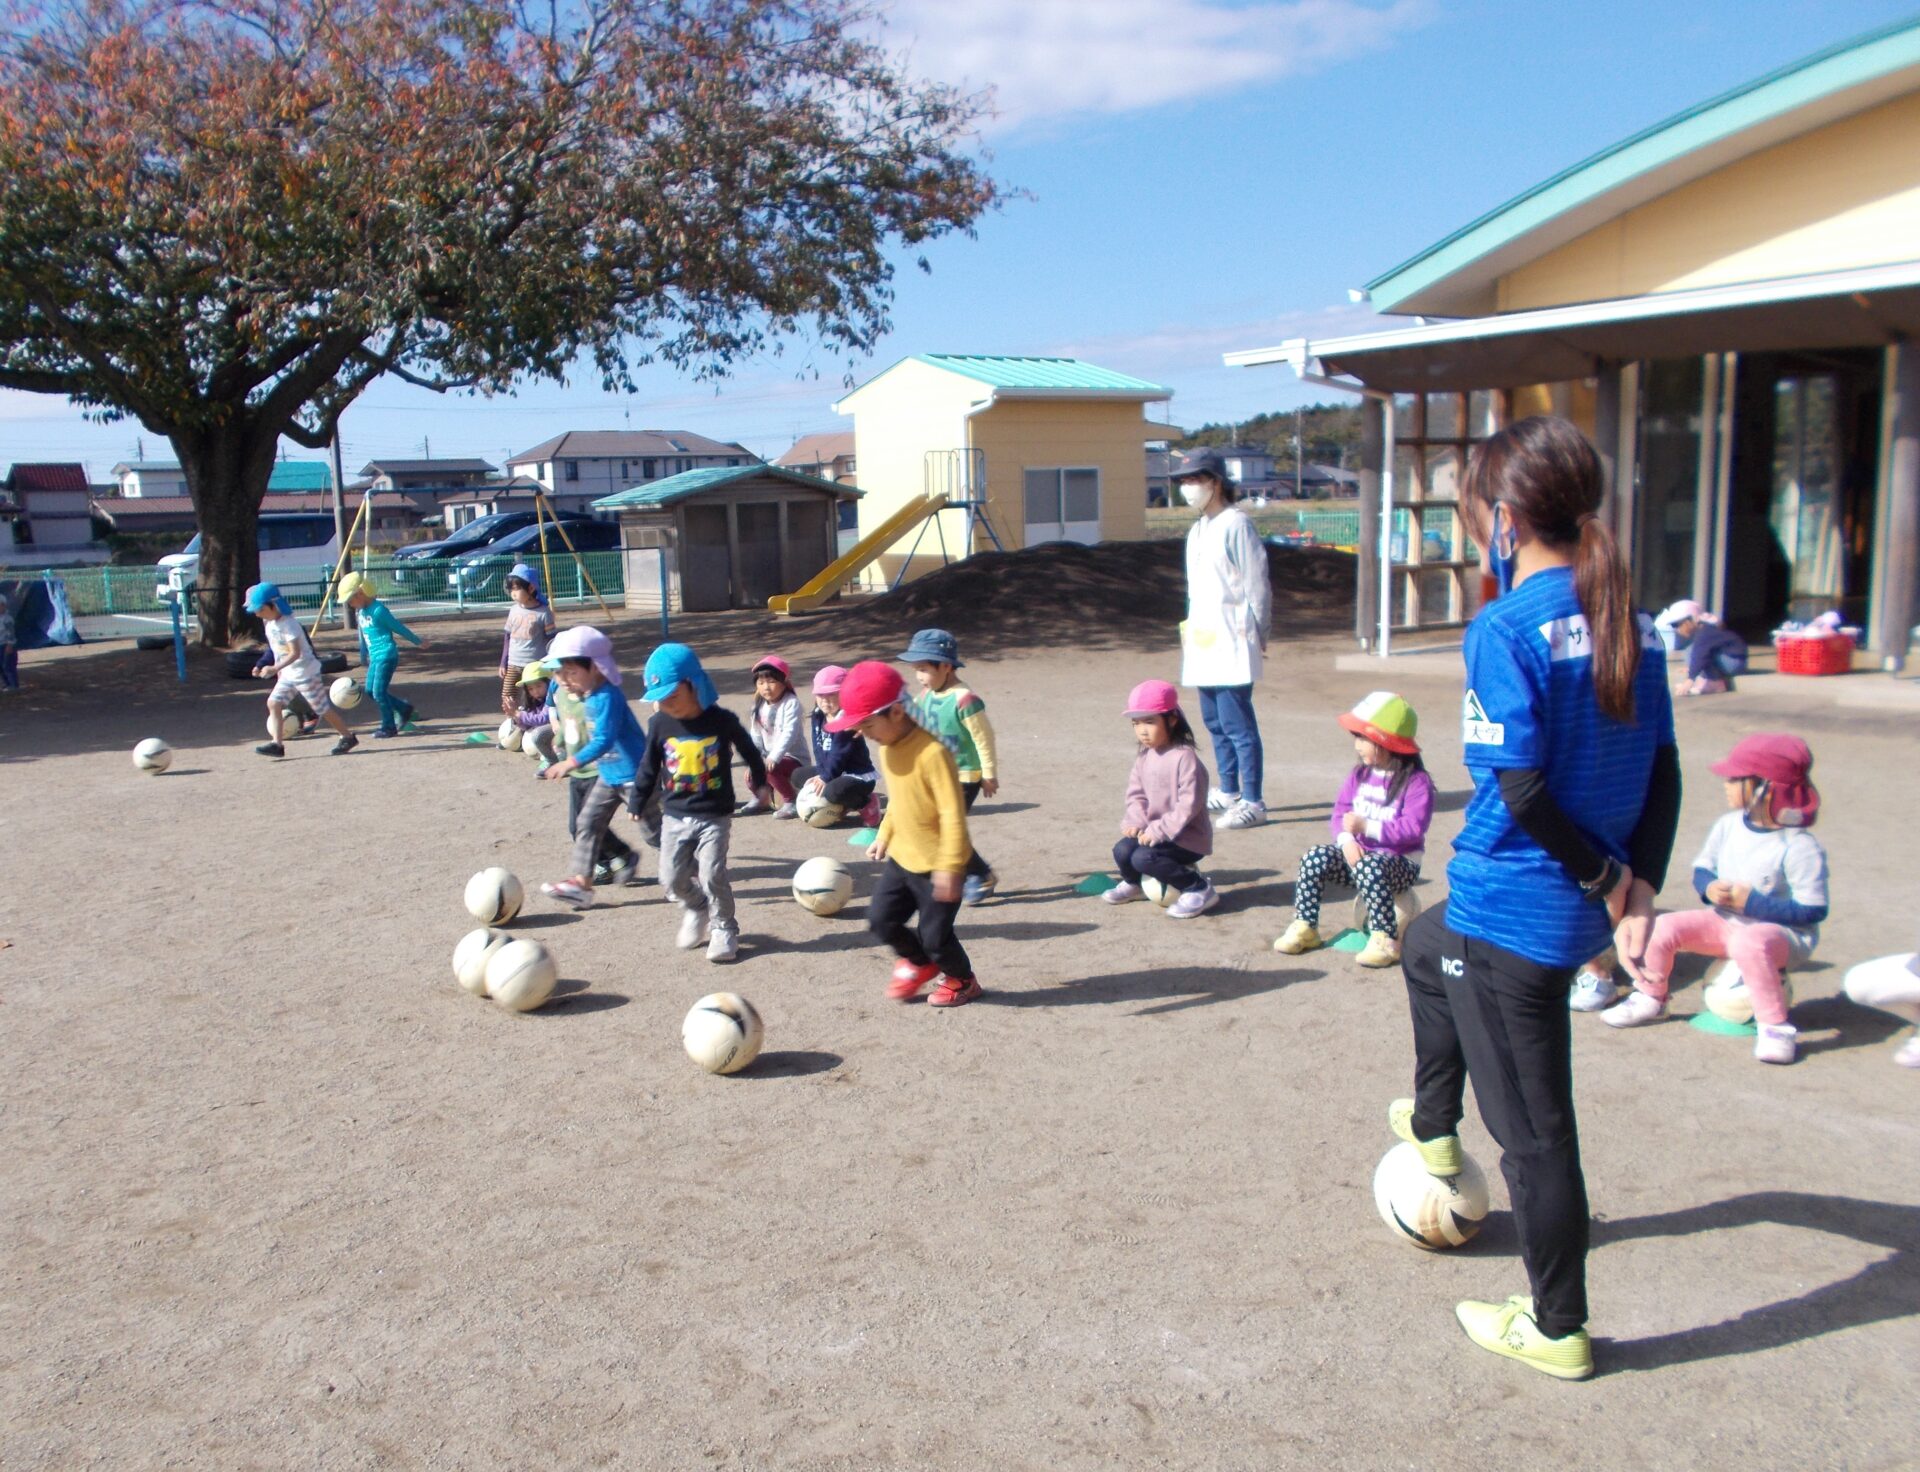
922 846
617 744
842 771
1166 830
1379 827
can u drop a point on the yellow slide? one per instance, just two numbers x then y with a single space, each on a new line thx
831 578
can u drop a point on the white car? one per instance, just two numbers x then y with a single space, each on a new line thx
292 544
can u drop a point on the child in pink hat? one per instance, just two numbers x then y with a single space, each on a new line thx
779 731
1165 831
841 769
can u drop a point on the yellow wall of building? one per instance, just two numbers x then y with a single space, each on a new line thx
1838 198
1040 434
897 418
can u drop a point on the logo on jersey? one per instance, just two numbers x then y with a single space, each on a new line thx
1568 638
1476 729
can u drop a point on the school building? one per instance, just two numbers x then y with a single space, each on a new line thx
1727 303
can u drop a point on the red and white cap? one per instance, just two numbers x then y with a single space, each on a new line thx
869 688
1785 763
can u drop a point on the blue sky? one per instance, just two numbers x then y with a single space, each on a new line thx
1204 175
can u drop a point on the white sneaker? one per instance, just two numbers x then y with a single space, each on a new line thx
1907 1055
1123 893
693 928
753 808
724 946
1775 1043
1245 815
1592 991
1637 1011
1219 802
786 811
1194 902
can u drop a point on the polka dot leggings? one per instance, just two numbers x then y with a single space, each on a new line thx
1379 877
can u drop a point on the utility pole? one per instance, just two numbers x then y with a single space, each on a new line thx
1299 458
340 512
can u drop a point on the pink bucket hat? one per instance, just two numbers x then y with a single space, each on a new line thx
586 642
829 680
1152 698
775 663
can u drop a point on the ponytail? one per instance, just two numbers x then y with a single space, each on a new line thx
1600 580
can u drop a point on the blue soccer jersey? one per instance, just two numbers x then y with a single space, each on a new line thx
1530 703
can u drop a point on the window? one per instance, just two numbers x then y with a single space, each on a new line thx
573 469
648 469
733 459
1062 505
623 470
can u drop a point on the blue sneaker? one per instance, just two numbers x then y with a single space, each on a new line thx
979 887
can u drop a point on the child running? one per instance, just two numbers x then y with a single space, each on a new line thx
571 730
687 759
1379 827
382 654
1765 878
616 744
957 718
1714 655
778 732
1165 830
922 844
530 628
842 771
295 670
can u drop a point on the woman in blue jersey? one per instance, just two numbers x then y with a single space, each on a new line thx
1568 728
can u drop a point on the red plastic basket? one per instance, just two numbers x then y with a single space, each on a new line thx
1825 654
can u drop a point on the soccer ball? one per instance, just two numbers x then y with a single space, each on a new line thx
153 755
1727 997
1431 1212
494 896
290 724
470 957
345 692
1161 894
1406 906
816 812
722 1033
823 886
521 975
509 734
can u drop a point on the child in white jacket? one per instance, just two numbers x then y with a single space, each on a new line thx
779 730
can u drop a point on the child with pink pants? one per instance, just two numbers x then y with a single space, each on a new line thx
1764 876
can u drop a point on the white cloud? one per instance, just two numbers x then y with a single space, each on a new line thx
1155 351
1053 58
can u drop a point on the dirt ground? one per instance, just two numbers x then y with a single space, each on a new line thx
276 1193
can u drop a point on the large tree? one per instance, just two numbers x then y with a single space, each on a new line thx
226 218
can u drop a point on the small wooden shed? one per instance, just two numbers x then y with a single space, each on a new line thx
734 535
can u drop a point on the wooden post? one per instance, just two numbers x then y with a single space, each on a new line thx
1366 605
578 560
346 551
1896 590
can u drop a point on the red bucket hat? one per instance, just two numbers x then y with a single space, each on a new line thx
869 688
1785 764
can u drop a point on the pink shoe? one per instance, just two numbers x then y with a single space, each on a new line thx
953 993
909 978
870 814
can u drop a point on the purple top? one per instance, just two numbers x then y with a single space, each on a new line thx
1167 799
1397 827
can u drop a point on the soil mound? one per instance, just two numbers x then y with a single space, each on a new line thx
1102 596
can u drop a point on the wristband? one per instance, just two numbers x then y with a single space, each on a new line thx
1605 884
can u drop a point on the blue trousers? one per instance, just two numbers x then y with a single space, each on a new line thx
1227 713
394 712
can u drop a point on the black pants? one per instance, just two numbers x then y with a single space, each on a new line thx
897 894
1171 864
976 866
612 848
1483 1013
851 793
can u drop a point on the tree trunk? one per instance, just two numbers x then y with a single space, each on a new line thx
226 472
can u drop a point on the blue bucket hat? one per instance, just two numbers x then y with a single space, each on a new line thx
933 646
261 594
668 665
527 574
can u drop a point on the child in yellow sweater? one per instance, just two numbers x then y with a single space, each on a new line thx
922 845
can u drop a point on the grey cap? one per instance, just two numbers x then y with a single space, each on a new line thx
1202 462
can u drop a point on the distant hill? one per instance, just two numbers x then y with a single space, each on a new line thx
1331 432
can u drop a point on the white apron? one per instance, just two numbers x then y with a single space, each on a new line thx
1220 640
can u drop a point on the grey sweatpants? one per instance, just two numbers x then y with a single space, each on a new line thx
591 823
693 866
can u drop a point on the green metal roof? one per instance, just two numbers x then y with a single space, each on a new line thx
300 475
1061 374
1833 71
692 482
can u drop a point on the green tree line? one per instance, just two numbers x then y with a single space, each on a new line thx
1330 432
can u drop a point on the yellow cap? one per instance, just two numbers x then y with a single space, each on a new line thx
356 582
535 671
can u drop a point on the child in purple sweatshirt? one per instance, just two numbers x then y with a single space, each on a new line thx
1166 830
1379 830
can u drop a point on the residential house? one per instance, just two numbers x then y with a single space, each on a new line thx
426 475
150 478
828 456
55 518
577 468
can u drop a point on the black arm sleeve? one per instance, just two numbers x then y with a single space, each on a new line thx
1650 848
1524 790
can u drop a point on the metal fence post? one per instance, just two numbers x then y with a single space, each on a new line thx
664 621
179 641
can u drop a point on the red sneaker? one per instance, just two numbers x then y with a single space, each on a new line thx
909 978
870 814
953 993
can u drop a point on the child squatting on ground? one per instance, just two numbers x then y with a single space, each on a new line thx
529 632
1714 655
922 845
957 717
295 669
616 746
1379 826
779 732
842 771
534 720
377 629
1765 878
1165 830
688 762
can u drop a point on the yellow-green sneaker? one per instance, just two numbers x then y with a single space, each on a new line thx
1441 1156
1508 1328
1298 939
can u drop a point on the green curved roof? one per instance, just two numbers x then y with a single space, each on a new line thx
1453 275
691 482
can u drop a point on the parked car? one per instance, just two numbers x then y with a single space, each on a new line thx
418 567
295 550
481 575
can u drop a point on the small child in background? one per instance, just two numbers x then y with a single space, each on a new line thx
530 630
616 744
922 844
687 759
842 770
382 654
295 669
1165 830
1765 878
957 718
1379 827
535 717
9 649
1714 655
778 732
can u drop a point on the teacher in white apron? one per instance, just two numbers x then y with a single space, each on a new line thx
1224 638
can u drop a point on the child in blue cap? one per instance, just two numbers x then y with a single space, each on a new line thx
530 631
295 668
687 759
957 717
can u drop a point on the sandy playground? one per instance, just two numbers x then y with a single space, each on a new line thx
276 1193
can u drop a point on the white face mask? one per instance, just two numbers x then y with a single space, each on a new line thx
1195 492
